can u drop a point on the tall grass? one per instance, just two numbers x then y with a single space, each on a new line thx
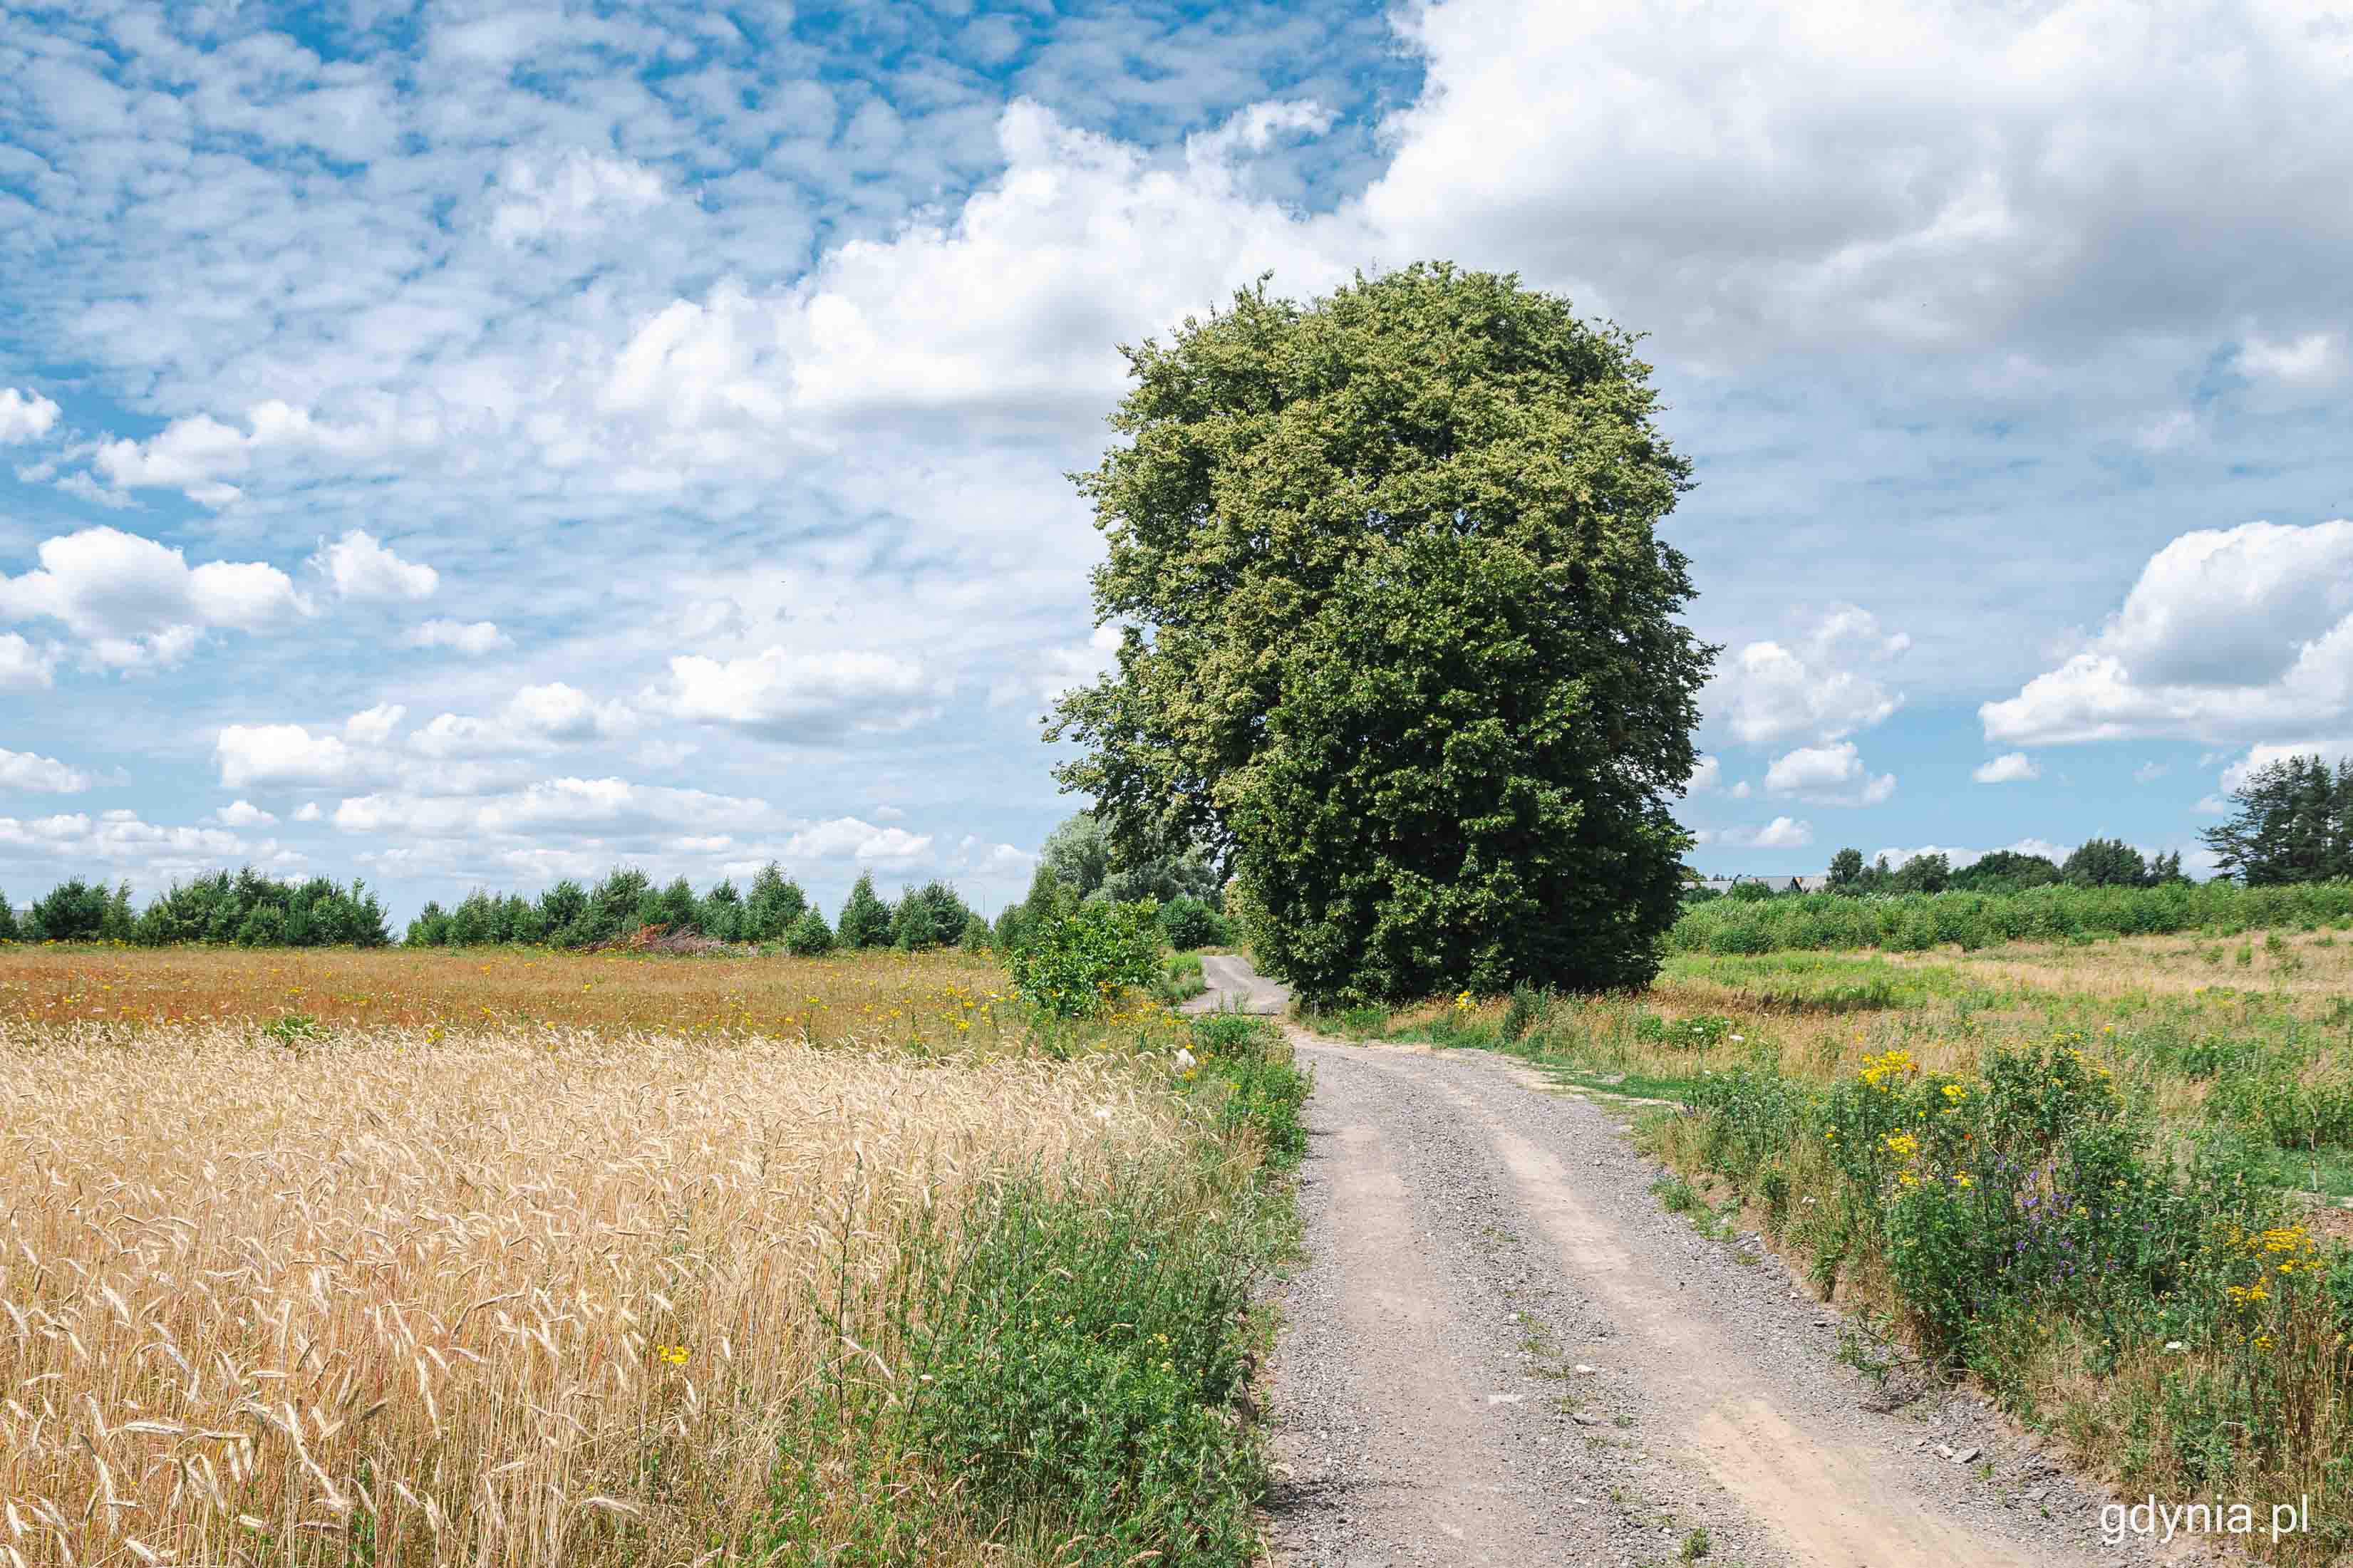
548 1294
1917 921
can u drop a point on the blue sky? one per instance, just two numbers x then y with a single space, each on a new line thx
458 444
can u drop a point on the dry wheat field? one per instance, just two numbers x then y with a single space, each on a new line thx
517 1259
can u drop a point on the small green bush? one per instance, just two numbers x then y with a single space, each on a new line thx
809 936
1073 964
865 919
1189 923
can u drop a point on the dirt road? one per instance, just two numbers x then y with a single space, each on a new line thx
1504 1350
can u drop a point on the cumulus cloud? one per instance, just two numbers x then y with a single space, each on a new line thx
23 667
2010 767
2227 635
1781 833
24 416
268 755
535 718
242 813
1829 686
1959 858
375 726
1706 774
38 775
560 804
1828 775
133 601
360 567
121 837
474 639
788 696
848 838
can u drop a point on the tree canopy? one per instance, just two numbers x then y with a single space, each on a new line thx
1398 646
2291 821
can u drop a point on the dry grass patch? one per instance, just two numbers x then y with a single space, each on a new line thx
498 1295
888 995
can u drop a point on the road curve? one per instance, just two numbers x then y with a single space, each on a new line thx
1236 987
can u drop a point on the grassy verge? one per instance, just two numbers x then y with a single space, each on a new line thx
1061 1375
2083 1179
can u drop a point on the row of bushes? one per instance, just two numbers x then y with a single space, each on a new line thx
773 910
244 907
1918 922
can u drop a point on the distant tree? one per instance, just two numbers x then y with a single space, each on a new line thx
2105 863
976 937
73 911
721 912
1188 923
1751 891
927 917
865 919
1846 869
1402 647
2291 821
1926 873
7 919
773 905
808 936
677 907
2006 871
1082 856
563 902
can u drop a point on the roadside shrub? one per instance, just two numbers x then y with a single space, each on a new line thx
1073 964
1078 1360
1188 923
809 936
1521 1014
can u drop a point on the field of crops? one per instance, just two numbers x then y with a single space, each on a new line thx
2103 1178
529 1259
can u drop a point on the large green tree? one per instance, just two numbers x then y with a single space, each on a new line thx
1399 646
2291 821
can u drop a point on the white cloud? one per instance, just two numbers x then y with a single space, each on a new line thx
375 726
46 776
2307 362
533 718
307 811
1828 775
794 696
23 667
571 198
2010 767
1706 774
241 814
2149 773
120 837
362 568
134 601
24 416
473 637
1781 833
848 838
1826 687
2212 806
560 805
2229 633
280 755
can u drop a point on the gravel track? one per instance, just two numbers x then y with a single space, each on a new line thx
1502 1349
